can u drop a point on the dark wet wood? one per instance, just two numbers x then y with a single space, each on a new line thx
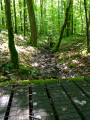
20 104
63 100
4 99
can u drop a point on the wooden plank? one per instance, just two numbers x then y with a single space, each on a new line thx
4 99
20 104
65 110
80 100
87 79
84 86
41 103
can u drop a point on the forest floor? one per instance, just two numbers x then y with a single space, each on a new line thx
71 60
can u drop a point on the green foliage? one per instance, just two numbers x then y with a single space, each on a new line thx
34 72
63 59
70 59
77 55
3 79
71 65
55 49
24 71
84 52
10 65
28 42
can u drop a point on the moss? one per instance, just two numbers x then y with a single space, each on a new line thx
41 81
76 78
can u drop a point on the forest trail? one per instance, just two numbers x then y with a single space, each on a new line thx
49 66
40 63
47 63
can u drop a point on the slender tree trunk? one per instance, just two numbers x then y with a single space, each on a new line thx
32 23
62 29
20 6
52 16
62 9
45 17
15 17
87 26
13 52
72 18
81 17
41 20
2 12
59 13
24 18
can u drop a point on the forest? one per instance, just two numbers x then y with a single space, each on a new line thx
44 39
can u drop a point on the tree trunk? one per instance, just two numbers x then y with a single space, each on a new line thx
45 16
87 26
72 17
24 17
41 20
56 48
13 52
81 16
70 20
2 12
59 13
62 9
15 17
20 6
32 23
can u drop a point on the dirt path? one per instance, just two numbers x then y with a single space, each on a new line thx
51 68
48 64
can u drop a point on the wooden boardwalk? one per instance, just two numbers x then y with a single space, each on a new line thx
61 100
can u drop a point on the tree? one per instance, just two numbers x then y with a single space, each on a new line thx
56 48
70 20
15 16
41 20
13 52
2 12
81 16
24 17
59 12
20 6
32 23
87 25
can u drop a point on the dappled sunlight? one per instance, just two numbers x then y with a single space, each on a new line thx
77 101
21 37
4 100
35 64
19 113
4 46
75 61
40 113
26 50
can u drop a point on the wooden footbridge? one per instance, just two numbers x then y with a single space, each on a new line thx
60 100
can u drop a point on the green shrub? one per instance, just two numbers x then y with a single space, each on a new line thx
71 65
10 65
24 71
77 55
70 59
